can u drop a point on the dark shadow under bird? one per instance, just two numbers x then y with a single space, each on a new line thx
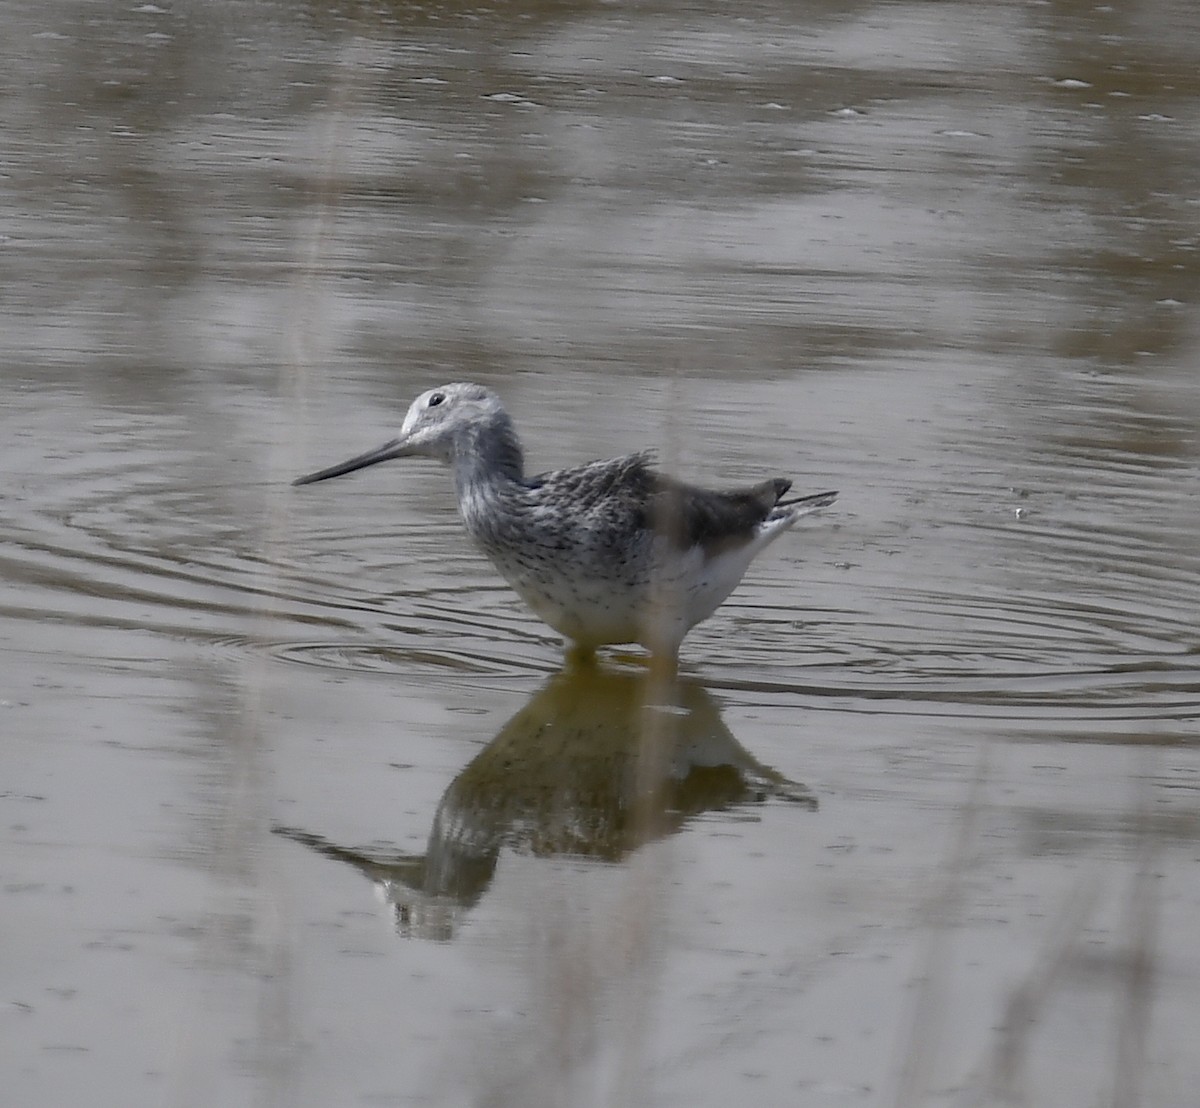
572 773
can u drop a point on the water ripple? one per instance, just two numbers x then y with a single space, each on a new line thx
1076 604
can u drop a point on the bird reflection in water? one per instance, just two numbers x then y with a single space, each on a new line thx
598 762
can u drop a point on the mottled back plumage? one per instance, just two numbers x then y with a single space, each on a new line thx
605 552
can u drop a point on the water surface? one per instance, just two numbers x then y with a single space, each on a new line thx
298 806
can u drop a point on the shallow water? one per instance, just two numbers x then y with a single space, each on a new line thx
298 807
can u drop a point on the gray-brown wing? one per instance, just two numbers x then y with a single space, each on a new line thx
628 496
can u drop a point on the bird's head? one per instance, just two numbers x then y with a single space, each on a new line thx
441 423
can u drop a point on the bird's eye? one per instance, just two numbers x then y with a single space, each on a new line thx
436 399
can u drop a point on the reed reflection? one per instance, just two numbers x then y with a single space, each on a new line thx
598 762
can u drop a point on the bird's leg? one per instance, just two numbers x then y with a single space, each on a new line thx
663 668
576 656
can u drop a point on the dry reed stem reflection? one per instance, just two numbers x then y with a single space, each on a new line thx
943 913
1133 1020
647 882
1004 1082
249 891
1003 1078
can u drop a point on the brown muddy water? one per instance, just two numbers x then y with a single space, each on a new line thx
297 806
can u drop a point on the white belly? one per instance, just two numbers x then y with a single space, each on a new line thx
589 611
595 595
657 612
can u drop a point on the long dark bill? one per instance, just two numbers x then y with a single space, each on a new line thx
389 450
